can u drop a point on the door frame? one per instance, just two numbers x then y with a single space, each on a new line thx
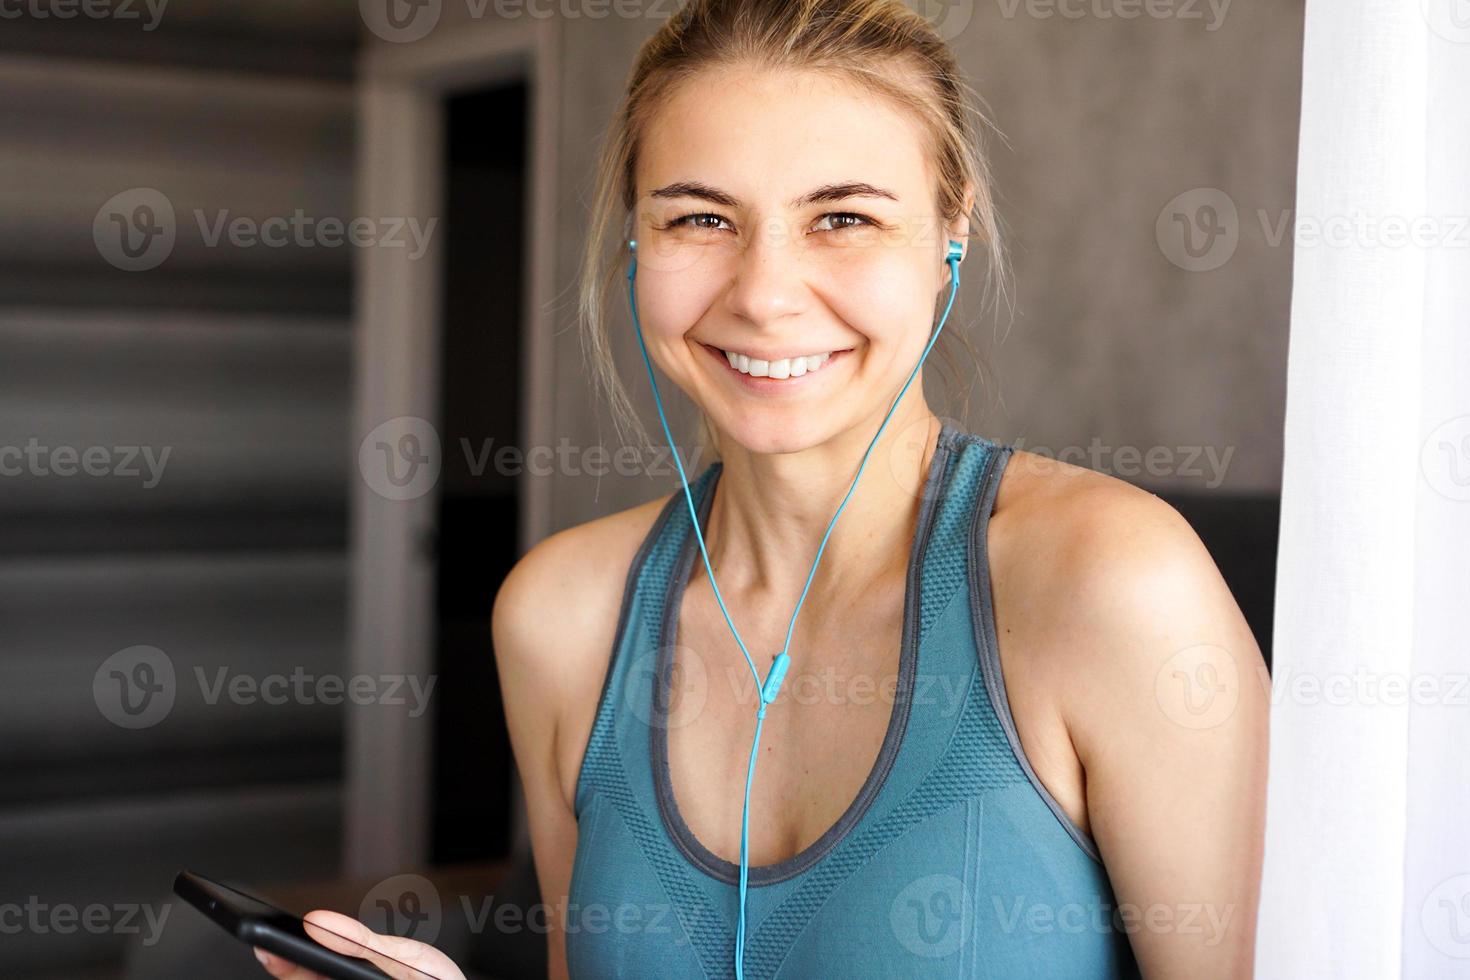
397 335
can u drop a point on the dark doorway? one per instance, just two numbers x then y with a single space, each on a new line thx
485 154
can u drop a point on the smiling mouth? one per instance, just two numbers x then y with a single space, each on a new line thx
781 369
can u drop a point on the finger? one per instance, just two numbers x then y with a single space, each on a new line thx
284 969
400 958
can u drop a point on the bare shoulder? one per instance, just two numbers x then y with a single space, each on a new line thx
559 604
553 626
1085 523
1125 584
1142 697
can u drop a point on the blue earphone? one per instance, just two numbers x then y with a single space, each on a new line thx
772 684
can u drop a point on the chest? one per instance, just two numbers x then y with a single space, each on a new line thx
821 737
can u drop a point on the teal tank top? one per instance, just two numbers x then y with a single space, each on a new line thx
952 861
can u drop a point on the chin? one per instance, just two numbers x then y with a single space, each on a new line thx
776 433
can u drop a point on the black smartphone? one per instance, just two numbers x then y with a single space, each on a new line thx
259 923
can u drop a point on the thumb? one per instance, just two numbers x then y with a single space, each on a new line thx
400 958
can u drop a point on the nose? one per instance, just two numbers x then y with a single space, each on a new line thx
769 282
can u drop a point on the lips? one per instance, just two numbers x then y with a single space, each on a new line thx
772 375
779 368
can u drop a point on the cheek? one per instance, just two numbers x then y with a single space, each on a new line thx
881 294
671 303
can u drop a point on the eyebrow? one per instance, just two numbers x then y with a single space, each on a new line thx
825 194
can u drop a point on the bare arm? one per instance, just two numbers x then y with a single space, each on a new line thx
1171 730
553 625
528 667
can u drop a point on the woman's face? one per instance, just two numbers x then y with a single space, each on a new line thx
789 221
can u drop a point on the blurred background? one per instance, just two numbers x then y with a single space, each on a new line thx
290 377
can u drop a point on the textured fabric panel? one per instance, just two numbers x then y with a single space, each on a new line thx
976 759
944 565
603 767
894 738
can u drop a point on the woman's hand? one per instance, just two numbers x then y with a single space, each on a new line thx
401 959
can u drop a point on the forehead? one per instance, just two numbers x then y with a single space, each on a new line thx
773 135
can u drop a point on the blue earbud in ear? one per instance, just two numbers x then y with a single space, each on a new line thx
770 686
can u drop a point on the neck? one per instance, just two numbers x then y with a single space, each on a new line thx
771 510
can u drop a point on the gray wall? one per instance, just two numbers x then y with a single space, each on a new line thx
232 555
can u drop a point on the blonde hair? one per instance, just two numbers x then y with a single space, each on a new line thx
858 40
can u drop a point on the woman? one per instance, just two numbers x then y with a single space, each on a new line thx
1022 733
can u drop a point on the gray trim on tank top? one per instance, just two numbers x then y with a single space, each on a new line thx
673 821
630 584
982 614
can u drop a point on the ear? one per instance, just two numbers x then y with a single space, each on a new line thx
959 229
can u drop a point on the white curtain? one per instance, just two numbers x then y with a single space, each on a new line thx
1367 869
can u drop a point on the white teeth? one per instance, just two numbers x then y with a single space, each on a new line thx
786 367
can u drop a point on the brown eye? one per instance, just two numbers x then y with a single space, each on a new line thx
843 220
695 221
